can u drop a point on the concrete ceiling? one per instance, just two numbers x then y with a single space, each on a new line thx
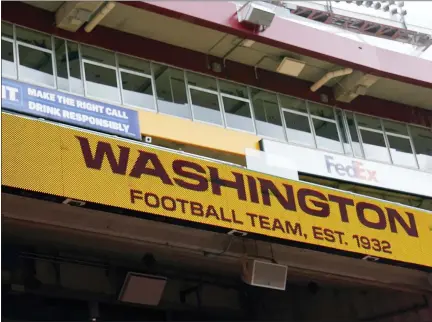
110 235
187 35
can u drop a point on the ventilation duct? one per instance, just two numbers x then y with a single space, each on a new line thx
72 15
353 85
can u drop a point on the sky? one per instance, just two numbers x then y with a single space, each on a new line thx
419 14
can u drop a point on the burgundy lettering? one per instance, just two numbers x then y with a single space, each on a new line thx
268 187
362 207
253 190
149 202
135 194
104 149
201 181
196 209
410 228
323 207
342 203
141 168
217 183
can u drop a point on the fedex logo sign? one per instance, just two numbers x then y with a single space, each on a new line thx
353 170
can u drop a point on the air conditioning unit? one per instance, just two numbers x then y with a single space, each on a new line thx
264 274
256 14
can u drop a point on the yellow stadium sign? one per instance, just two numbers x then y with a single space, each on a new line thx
55 160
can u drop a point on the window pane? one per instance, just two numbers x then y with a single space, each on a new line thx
298 129
238 114
401 152
422 139
61 63
134 64
327 136
268 120
75 80
35 66
353 133
233 89
202 81
293 103
8 64
171 91
33 38
369 122
206 107
101 82
137 90
321 110
395 127
344 132
374 146
98 55
7 30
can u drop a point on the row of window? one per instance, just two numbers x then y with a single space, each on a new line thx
38 58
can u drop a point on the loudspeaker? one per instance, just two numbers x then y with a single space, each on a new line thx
142 289
264 274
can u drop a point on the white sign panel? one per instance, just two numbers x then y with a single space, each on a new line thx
327 164
273 164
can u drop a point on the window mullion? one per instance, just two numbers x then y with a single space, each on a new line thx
357 128
17 63
54 62
348 132
386 141
252 112
82 69
188 94
411 140
24 44
312 127
339 131
91 62
235 97
221 105
119 79
153 86
67 64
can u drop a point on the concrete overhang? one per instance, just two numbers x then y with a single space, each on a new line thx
107 233
285 34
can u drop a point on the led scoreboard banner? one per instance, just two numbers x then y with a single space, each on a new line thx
55 160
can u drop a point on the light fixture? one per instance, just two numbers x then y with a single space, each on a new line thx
403 12
359 3
401 4
290 67
377 5
368 4
247 43
386 8
73 202
393 11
